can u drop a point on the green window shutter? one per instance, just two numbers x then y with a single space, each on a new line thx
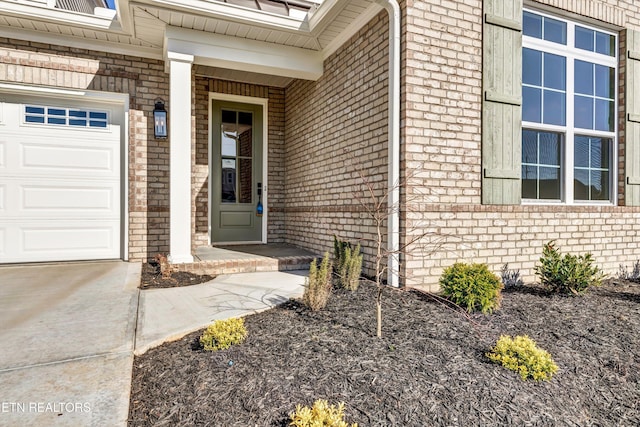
502 102
632 125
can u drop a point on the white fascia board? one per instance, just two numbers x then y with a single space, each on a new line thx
245 55
125 16
231 12
80 43
59 16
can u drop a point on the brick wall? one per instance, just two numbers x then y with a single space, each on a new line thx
442 140
144 80
335 127
275 139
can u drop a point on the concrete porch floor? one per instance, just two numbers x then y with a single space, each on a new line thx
230 259
270 250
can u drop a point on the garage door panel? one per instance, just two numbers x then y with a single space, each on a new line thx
60 241
70 237
55 199
68 159
68 198
3 156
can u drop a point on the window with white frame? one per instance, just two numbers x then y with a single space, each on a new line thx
569 107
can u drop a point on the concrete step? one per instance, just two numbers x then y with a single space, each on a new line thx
217 260
255 264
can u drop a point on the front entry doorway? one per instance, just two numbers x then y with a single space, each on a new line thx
237 199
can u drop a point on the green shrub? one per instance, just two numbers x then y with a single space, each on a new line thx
521 354
319 415
348 264
318 284
472 286
222 334
569 274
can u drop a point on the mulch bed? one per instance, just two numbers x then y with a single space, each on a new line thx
428 369
152 277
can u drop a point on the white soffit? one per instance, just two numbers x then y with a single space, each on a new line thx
234 53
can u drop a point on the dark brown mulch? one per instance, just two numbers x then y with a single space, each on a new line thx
429 369
152 278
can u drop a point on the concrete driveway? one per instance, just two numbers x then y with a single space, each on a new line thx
66 343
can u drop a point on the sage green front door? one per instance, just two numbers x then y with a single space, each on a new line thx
236 172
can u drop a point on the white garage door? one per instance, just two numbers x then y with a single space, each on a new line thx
60 179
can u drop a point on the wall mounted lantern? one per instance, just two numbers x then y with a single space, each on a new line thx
159 120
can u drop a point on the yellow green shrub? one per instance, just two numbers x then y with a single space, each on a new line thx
319 415
222 334
317 287
521 354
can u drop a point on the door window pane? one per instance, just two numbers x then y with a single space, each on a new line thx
245 180
245 140
229 133
228 171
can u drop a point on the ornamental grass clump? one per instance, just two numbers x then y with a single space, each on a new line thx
568 274
348 264
472 287
318 285
222 334
319 415
522 355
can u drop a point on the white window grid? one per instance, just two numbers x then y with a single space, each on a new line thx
572 54
74 118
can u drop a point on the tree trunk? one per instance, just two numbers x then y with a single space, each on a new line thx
379 315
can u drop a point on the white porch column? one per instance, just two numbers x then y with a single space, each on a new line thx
180 157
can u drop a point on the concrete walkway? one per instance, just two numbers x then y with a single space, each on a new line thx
169 314
68 333
66 347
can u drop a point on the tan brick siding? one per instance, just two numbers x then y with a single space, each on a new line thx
442 141
335 126
144 80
